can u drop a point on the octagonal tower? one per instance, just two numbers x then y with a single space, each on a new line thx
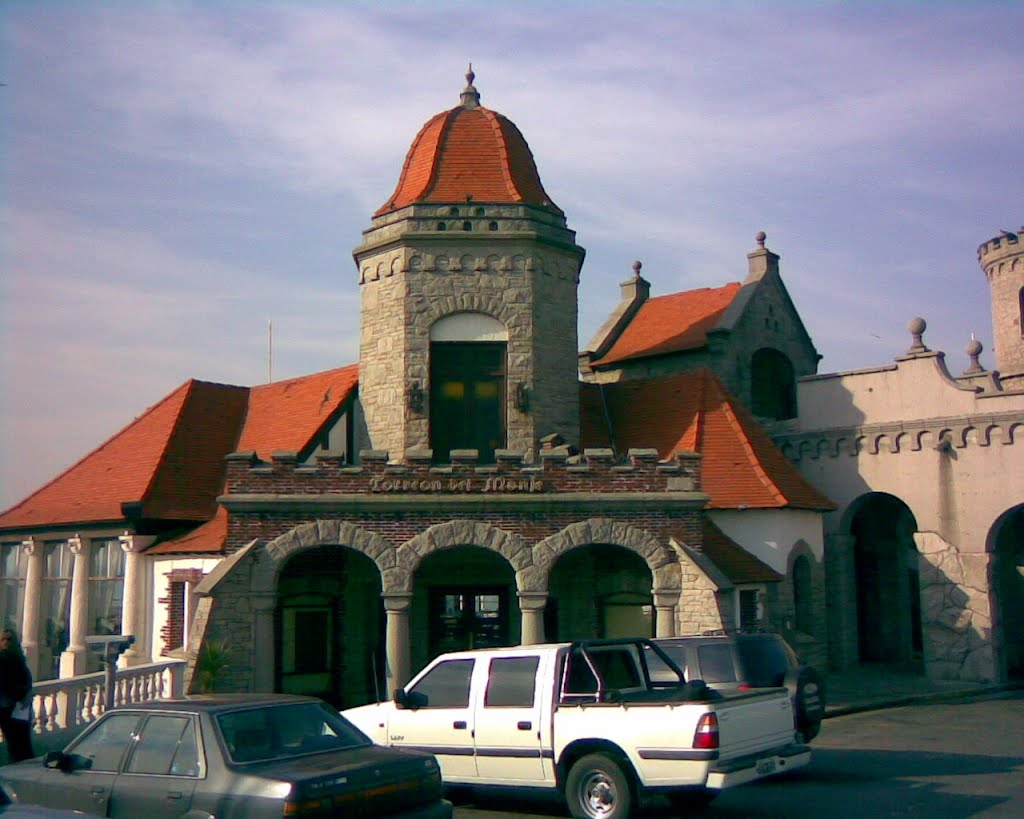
1002 260
468 276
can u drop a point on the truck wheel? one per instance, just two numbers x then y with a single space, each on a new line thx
597 788
808 692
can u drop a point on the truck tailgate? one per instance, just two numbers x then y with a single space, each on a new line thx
758 721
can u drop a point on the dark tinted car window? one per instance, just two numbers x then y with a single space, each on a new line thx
279 731
715 661
511 682
446 685
765 661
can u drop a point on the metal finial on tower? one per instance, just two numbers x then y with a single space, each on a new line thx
470 96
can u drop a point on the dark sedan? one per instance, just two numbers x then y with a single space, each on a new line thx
255 757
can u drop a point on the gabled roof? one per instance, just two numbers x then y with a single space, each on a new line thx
288 415
171 458
693 411
468 154
671 324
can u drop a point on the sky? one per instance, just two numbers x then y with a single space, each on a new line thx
175 176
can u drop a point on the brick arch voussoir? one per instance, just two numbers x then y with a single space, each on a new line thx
441 536
660 559
320 533
469 303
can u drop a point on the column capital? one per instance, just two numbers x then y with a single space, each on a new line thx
262 602
29 545
532 601
667 598
133 544
76 543
397 602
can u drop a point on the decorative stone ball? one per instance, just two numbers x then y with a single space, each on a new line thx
973 348
760 237
917 326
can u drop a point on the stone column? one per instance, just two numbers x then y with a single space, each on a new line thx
133 618
531 612
264 661
397 641
841 601
665 613
33 594
74 658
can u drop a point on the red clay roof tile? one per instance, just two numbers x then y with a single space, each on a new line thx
670 324
693 411
468 154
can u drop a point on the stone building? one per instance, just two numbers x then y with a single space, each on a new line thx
461 485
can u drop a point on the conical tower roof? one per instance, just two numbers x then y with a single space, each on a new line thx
469 154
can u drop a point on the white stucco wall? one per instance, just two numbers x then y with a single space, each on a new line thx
771 534
160 569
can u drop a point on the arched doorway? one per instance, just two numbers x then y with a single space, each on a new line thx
1007 589
888 591
463 597
329 627
599 591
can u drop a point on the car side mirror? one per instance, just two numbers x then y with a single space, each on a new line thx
409 699
66 763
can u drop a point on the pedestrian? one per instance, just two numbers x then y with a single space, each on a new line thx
15 687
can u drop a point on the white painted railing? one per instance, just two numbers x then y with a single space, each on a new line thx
59 705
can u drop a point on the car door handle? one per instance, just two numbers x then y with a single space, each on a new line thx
524 725
459 724
174 794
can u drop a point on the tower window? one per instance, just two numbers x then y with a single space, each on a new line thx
478 212
467 225
453 212
773 386
492 226
467 398
442 226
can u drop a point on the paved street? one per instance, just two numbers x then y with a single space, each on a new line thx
952 759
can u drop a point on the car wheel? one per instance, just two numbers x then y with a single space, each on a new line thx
598 788
808 692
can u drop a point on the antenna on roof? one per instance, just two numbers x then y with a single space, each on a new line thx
270 351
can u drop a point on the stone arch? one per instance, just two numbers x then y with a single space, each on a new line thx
665 571
320 533
1005 545
397 579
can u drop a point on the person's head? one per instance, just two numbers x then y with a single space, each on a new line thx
9 641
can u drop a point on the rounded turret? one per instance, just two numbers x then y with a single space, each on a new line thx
1002 260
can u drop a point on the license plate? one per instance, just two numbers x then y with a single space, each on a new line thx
765 766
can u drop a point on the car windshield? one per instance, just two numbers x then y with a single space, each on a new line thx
282 731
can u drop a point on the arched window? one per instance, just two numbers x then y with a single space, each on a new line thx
802 605
467 385
772 385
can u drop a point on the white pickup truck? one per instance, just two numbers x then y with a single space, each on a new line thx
587 719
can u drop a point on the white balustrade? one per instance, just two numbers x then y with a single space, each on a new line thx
58 705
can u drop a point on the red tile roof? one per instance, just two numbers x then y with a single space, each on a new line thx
171 458
468 154
288 415
693 411
735 562
670 324
208 538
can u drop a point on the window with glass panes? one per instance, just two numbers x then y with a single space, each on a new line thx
106 586
12 585
55 611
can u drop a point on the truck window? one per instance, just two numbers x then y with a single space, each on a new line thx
446 685
511 682
716 663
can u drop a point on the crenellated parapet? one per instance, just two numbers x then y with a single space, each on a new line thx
877 439
1000 253
556 473
1002 260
